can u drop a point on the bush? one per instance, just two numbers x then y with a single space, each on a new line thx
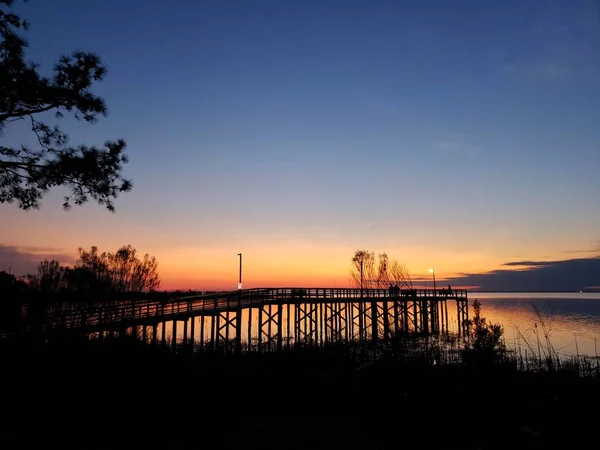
486 343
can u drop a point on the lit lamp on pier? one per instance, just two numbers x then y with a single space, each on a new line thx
240 281
432 272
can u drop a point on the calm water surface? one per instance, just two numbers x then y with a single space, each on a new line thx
572 320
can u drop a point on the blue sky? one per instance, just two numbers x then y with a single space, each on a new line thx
424 129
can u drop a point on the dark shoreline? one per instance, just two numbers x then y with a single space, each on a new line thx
104 394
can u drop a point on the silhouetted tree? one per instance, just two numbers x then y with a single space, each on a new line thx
27 174
91 272
131 274
399 274
11 289
98 273
78 279
486 342
377 273
122 271
363 268
9 283
50 277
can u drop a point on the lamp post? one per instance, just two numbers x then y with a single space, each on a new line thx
240 282
432 272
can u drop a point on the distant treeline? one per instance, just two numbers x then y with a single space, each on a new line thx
121 272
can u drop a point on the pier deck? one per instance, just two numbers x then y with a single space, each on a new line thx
268 317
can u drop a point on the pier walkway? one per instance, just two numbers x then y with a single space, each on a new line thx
268 317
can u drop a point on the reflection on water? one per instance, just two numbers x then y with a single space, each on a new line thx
571 320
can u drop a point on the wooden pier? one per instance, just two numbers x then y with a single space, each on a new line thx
268 318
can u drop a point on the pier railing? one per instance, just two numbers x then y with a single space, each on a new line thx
126 312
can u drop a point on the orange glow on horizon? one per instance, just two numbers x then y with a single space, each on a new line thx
290 266
298 264
191 260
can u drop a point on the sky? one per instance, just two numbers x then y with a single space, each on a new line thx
456 135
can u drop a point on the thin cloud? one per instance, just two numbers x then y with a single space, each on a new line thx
24 260
43 250
595 250
528 263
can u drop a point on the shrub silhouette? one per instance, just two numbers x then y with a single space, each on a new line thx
486 343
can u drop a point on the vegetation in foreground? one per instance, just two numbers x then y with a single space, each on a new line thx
119 391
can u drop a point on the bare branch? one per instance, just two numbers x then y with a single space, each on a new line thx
26 112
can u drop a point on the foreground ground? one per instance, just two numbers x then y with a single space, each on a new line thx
121 395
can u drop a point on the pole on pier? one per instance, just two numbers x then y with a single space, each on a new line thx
212 330
202 320
192 331
250 327
386 322
240 279
279 325
174 337
374 322
320 337
185 331
260 325
432 272
446 314
288 325
238 325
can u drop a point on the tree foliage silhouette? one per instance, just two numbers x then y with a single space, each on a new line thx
99 273
50 277
26 174
122 271
10 284
486 342
377 273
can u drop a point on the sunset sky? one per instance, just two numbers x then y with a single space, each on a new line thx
296 132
